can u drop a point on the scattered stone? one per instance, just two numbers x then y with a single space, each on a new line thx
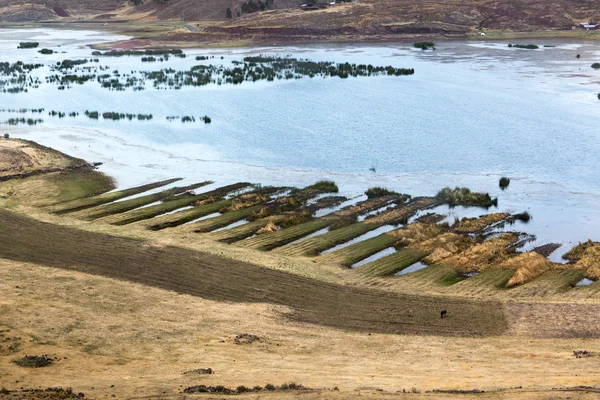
585 354
243 389
200 371
458 391
34 361
246 338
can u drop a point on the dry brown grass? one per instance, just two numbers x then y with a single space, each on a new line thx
472 225
445 245
528 266
482 256
21 156
589 261
142 340
270 227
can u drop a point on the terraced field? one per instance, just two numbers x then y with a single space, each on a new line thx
380 238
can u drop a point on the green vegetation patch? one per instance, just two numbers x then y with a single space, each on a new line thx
424 45
81 204
389 265
524 46
379 192
464 197
132 204
28 45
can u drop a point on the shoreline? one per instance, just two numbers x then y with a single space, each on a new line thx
168 34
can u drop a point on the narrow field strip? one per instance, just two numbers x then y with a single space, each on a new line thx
88 202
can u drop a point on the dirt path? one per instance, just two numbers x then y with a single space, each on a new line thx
215 278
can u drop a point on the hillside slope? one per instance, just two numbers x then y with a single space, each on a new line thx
173 10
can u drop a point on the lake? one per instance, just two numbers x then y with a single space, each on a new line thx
471 113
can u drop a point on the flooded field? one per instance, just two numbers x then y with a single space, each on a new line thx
471 113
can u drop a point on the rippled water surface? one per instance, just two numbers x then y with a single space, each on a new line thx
471 113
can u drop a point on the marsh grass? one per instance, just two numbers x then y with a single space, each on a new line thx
464 197
379 192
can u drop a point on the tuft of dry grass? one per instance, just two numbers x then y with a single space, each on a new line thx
589 260
482 256
270 227
528 266
472 225
444 246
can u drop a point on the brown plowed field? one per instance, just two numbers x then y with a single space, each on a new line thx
221 279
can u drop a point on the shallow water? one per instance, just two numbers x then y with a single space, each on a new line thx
412 268
471 113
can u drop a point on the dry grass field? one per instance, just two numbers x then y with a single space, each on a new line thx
128 312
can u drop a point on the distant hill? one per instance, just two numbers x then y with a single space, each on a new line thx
187 10
359 16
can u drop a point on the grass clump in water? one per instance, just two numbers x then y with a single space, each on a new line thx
524 46
28 45
324 186
91 114
524 217
577 252
464 197
379 192
504 182
596 65
424 45
46 51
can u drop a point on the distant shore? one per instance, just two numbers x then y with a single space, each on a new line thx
207 35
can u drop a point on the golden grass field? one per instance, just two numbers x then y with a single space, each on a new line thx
137 309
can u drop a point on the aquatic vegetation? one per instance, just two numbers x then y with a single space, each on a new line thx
524 217
67 64
323 187
23 110
424 45
379 192
524 46
23 121
57 113
16 78
91 114
28 45
251 69
596 65
115 116
504 182
464 197
46 51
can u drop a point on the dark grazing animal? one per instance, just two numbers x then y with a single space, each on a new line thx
443 313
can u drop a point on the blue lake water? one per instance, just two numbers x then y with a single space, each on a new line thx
473 112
